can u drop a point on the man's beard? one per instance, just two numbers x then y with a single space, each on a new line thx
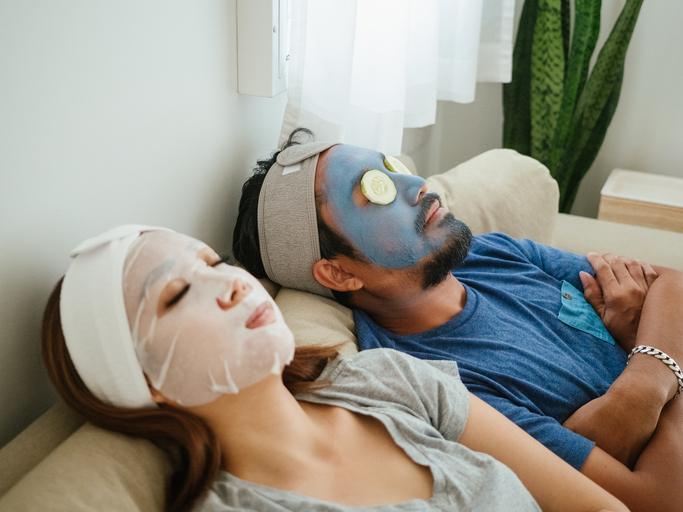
450 255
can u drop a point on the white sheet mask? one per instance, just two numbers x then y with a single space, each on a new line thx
200 347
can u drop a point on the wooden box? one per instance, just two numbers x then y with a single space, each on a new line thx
642 199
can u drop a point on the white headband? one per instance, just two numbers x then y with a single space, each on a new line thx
95 323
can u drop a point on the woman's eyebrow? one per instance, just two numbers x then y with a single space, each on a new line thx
155 275
221 259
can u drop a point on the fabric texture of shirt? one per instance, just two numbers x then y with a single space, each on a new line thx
513 348
424 407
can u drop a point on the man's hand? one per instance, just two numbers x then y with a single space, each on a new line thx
617 293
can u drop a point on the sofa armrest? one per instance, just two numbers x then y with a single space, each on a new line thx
94 470
655 246
35 443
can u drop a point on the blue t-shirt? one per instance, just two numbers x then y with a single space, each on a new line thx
521 342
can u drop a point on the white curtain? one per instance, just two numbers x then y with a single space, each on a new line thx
362 70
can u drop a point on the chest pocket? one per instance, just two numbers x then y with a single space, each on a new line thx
577 313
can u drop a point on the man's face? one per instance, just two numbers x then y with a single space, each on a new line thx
394 236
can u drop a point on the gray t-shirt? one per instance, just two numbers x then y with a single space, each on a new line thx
424 407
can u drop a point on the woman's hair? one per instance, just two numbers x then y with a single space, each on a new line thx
165 425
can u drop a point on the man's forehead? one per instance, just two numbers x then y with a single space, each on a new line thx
341 155
346 152
327 157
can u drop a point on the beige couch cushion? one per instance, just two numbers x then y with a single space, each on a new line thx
501 190
94 470
316 320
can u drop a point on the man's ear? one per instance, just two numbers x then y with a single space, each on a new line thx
331 274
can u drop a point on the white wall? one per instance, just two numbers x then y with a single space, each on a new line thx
462 131
110 112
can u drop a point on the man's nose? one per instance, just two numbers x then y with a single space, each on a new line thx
414 189
239 290
421 192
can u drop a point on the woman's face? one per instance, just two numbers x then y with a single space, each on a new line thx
200 327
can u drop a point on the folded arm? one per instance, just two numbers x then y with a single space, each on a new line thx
622 421
656 481
638 430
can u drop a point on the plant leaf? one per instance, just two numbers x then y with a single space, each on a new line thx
517 94
547 77
590 151
566 31
586 31
597 98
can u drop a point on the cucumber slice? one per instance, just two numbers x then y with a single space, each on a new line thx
395 165
378 187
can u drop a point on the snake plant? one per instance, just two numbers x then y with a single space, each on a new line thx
554 109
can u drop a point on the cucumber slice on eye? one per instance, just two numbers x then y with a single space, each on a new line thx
393 164
378 187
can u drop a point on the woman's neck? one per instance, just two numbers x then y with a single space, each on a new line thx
327 452
264 432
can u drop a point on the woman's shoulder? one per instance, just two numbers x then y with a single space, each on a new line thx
387 378
387 362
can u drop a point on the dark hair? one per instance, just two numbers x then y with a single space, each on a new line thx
167 426
245 238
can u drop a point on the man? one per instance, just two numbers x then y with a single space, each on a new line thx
508 311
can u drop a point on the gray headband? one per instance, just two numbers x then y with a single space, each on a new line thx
287 221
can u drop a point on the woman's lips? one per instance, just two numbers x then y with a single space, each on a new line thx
262 315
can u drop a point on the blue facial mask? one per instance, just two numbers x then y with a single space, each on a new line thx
391 236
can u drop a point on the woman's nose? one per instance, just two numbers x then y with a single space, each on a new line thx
240 289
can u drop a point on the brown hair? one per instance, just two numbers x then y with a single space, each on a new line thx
165 425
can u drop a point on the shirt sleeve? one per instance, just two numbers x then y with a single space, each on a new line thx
386 378
564 443
560 264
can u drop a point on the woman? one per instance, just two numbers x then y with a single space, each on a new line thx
150 334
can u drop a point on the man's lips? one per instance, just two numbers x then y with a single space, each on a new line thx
262 315
430 210
434 212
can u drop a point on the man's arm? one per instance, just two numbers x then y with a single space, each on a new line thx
661 323
656 481
636 421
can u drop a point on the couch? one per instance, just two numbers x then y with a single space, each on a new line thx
61 463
